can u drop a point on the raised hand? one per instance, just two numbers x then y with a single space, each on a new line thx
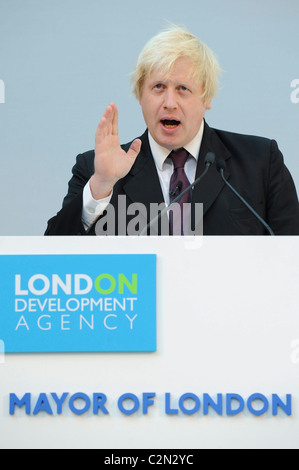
111 161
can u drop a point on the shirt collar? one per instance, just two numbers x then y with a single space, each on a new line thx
161 153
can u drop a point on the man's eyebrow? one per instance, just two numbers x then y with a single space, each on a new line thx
158 80
186 84
164 81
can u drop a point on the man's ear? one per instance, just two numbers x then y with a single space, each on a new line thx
208 105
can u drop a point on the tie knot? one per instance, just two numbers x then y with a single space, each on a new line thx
179 157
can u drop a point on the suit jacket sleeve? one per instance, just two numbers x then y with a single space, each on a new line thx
282 201
68 220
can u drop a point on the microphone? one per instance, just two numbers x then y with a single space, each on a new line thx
221 166
209 160
177 188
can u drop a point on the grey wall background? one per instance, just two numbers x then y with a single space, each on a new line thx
63 61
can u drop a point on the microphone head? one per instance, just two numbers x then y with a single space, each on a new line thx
210 158
220 164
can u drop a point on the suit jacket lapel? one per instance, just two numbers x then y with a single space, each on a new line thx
143 185
210 186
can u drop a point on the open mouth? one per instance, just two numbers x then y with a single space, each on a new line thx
170 123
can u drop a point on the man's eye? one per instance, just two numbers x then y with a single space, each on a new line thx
183 88
159 86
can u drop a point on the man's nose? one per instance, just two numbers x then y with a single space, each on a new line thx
170 99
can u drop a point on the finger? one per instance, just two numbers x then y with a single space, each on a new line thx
108 115
105 124
134 149
115 120
101 130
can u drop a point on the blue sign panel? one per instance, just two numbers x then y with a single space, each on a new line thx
77 303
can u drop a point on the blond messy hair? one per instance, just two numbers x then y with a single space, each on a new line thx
163 50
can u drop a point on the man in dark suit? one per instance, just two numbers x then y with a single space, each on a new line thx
175 80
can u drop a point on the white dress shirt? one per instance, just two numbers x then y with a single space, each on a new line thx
164 164
93 208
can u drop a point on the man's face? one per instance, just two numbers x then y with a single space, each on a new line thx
172 106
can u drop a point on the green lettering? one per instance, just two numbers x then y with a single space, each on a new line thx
98 286
123 280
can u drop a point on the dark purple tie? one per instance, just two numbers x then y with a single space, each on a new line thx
178 183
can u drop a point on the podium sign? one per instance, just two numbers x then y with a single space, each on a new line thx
78 303
225 369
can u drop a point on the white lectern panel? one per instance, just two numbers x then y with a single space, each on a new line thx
227 323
